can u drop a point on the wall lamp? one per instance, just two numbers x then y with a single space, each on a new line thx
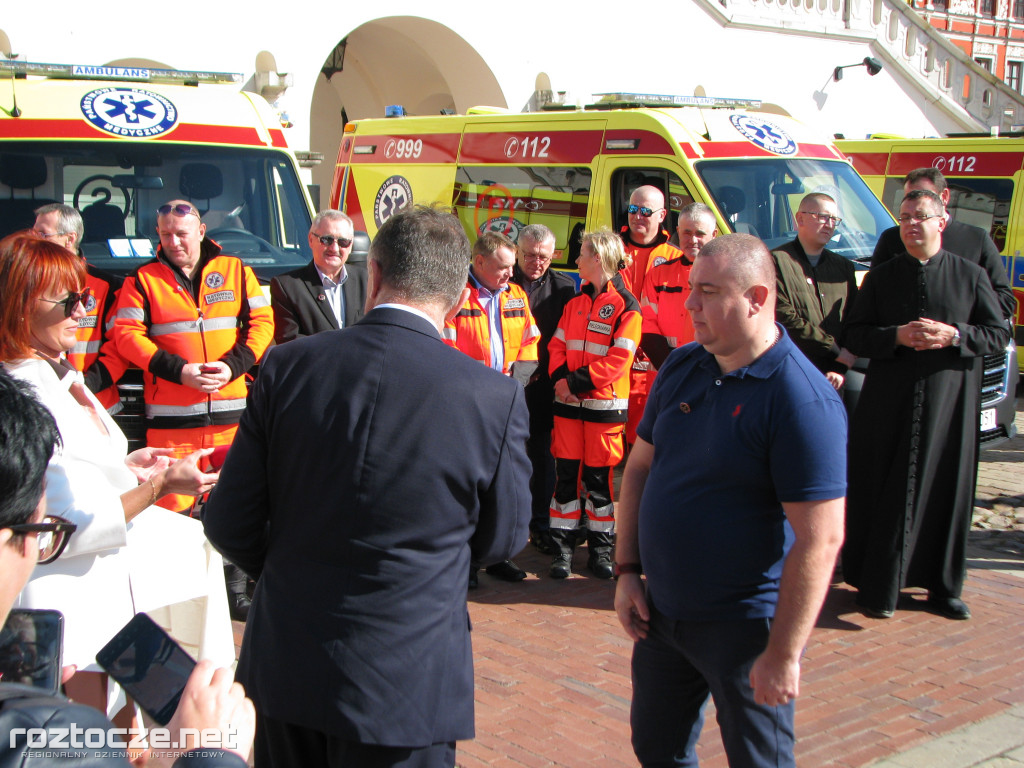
874 66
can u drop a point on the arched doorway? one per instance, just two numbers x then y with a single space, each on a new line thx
417 63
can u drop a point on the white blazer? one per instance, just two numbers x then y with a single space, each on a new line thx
111 569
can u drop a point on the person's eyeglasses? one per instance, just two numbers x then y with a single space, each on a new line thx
71 301
52 536
917 219
179 210
536 257
327 241
47 235
824 218
643 210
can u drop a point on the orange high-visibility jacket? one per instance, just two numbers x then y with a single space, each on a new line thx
91 340
469 331
644 258
593 349
666 289
159 326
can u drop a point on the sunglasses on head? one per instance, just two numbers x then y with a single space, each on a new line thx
52 536
71 301
643 210
328 241
180 210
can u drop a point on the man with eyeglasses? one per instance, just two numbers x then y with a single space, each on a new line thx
92 354
645 240
925 319
326 294
211 700
549 290
965 240
195 321
816 288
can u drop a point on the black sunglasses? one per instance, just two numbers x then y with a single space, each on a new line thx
328 241
53 536
180 209
643 210
71 301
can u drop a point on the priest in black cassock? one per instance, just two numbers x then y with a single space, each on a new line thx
925 319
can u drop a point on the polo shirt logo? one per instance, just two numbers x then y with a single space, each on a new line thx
736 412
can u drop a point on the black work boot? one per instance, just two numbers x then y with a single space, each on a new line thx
599 562
237 584
563 540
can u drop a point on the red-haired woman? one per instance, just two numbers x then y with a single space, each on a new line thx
90 481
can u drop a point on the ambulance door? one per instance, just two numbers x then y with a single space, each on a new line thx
513 173
623 175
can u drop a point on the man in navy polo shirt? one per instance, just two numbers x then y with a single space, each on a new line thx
732 508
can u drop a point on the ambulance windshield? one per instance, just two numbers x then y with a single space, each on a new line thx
250 199
759 197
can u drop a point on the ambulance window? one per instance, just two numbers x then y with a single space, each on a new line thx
625 180
507 198
760 196
984 203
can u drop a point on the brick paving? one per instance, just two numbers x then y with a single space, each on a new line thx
552 665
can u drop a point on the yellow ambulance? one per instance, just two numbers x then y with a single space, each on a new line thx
984 174
574 169
117 142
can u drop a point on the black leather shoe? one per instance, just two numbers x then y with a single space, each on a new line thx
561 566
877 613
541 540
506 570
474 580
951 607
600 564
238 606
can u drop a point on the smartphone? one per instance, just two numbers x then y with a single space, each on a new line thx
30 648
216 458
149 665
209 369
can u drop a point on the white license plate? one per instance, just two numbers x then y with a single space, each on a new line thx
988 419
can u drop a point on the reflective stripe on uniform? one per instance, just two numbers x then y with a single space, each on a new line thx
130 313
576 345
564 515
255 302
448 333
596 349
598 405
183 326
625 343
196 408
85 347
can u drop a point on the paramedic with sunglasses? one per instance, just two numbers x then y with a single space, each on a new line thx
646 243
328 293
91 482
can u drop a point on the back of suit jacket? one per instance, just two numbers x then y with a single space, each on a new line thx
369 463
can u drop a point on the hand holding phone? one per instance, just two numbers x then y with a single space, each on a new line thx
30 648
151 667
209 369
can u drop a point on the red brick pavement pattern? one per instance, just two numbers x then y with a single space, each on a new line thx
553 686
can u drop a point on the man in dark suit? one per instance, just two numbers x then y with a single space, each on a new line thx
326 294
369 468
967 241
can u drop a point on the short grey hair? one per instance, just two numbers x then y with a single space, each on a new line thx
536 233
423 254
69 220
695 211
748 259
329 215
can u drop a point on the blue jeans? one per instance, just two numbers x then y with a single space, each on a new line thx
676 667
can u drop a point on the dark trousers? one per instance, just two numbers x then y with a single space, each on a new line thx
676 667
542 481
286 745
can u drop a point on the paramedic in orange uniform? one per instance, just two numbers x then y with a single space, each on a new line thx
590 358
646 242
